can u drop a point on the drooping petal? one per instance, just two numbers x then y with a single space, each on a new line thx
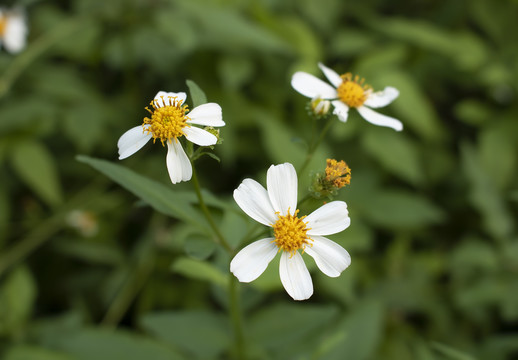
199 136
328 219
281 182
132 141
341 110
312 87
178 164
331 75
162 95
330 257
295 276
378 119
382 98
253 199
207 115
253 259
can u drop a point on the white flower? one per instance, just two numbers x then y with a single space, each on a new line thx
277 208
13 30
348 92
169 121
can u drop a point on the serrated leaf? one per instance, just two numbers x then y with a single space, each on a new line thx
197 95
36 166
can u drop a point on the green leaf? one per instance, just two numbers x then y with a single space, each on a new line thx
36 166
199 270
100 344
157 195
199 247
197 95
17 296
201 334
450 353
28 352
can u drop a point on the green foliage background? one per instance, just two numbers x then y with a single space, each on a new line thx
433 240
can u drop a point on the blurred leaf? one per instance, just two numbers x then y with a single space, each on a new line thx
351 42
201 334
484 196
157 195
234 228
101 344
199 270
235 71
396 153
17 296
197 94
89 251
473 112
36 166
450 352
27 352
199 247
84 123
361 333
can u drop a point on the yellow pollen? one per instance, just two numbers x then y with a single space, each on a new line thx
290 233
167 120
3 24
338 173
352 91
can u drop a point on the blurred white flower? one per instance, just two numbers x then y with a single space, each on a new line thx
169 121
348 92
13 30
277 208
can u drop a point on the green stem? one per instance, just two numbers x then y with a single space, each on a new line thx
237 319
314 145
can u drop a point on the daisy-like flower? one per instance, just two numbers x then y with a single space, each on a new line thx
13 30
277 208
170 120
347 92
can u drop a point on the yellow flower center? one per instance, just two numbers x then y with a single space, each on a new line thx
338 173
352 91
3 25
168 120
290 233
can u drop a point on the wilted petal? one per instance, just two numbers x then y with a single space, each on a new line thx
253 199
382 98
312 87
162 96
281 181
253 259
132 141
328 219
178 164
378 119
207 115
330 257
199 136
331 75
295 276
341 110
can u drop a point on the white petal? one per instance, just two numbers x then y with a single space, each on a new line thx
331 75
162 96
253 199
253 259
341 110
281 181
178 164
330 257
295 276
15 33
132 141
328 219
382 98
199 136
378 119
312 87
207 115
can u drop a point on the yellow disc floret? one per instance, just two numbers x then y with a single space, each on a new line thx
3 24
290 233
167 119
352 91
338 173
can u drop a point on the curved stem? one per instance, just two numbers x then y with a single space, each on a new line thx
314 145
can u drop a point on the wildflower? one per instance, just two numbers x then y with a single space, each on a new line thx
169 121
319 108
13 30
348 91
277 208
337 175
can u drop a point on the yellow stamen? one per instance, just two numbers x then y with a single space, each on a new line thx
290 233
3 24
167 120
352 91
338 173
